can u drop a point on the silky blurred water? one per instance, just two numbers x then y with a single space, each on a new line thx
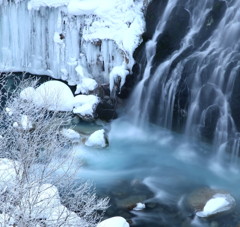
169 164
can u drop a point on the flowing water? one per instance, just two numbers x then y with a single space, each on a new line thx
167 163
189 82
191 72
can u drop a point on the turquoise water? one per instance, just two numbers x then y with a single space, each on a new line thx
167 163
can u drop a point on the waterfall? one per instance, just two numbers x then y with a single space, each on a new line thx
189 70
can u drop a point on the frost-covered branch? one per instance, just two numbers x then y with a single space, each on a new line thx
32 151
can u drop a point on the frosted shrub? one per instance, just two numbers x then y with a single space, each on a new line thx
32 153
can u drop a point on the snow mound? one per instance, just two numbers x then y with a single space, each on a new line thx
71 134
114 222
219 203
97 139
53 95
85 104
28 94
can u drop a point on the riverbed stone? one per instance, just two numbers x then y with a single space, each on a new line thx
197 200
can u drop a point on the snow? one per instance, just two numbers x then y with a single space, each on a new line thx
71 134
8 171
27 94
26 123
139 206
57 96
217 204
85 104
53 95
97 139
15 125
114 222
118 71
9 111
86 86
36 4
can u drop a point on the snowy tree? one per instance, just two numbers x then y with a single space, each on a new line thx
32 152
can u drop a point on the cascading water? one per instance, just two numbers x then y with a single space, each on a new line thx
191 71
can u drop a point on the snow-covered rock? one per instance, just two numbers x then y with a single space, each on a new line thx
97 139
71 134
139 206
86 85
118 71
54 95
114 222
218 204
28 94
85 105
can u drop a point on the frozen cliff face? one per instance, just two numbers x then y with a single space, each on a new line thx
55 37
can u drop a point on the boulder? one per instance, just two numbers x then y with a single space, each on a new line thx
206 202
218 204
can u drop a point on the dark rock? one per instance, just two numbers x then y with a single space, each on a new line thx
106 111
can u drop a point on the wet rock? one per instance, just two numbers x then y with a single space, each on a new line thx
197 202
218 204
106 110
139 206
130 202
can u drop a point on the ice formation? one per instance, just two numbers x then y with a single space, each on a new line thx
57 37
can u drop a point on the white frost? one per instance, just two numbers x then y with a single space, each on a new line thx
96 139
26 123
114 222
